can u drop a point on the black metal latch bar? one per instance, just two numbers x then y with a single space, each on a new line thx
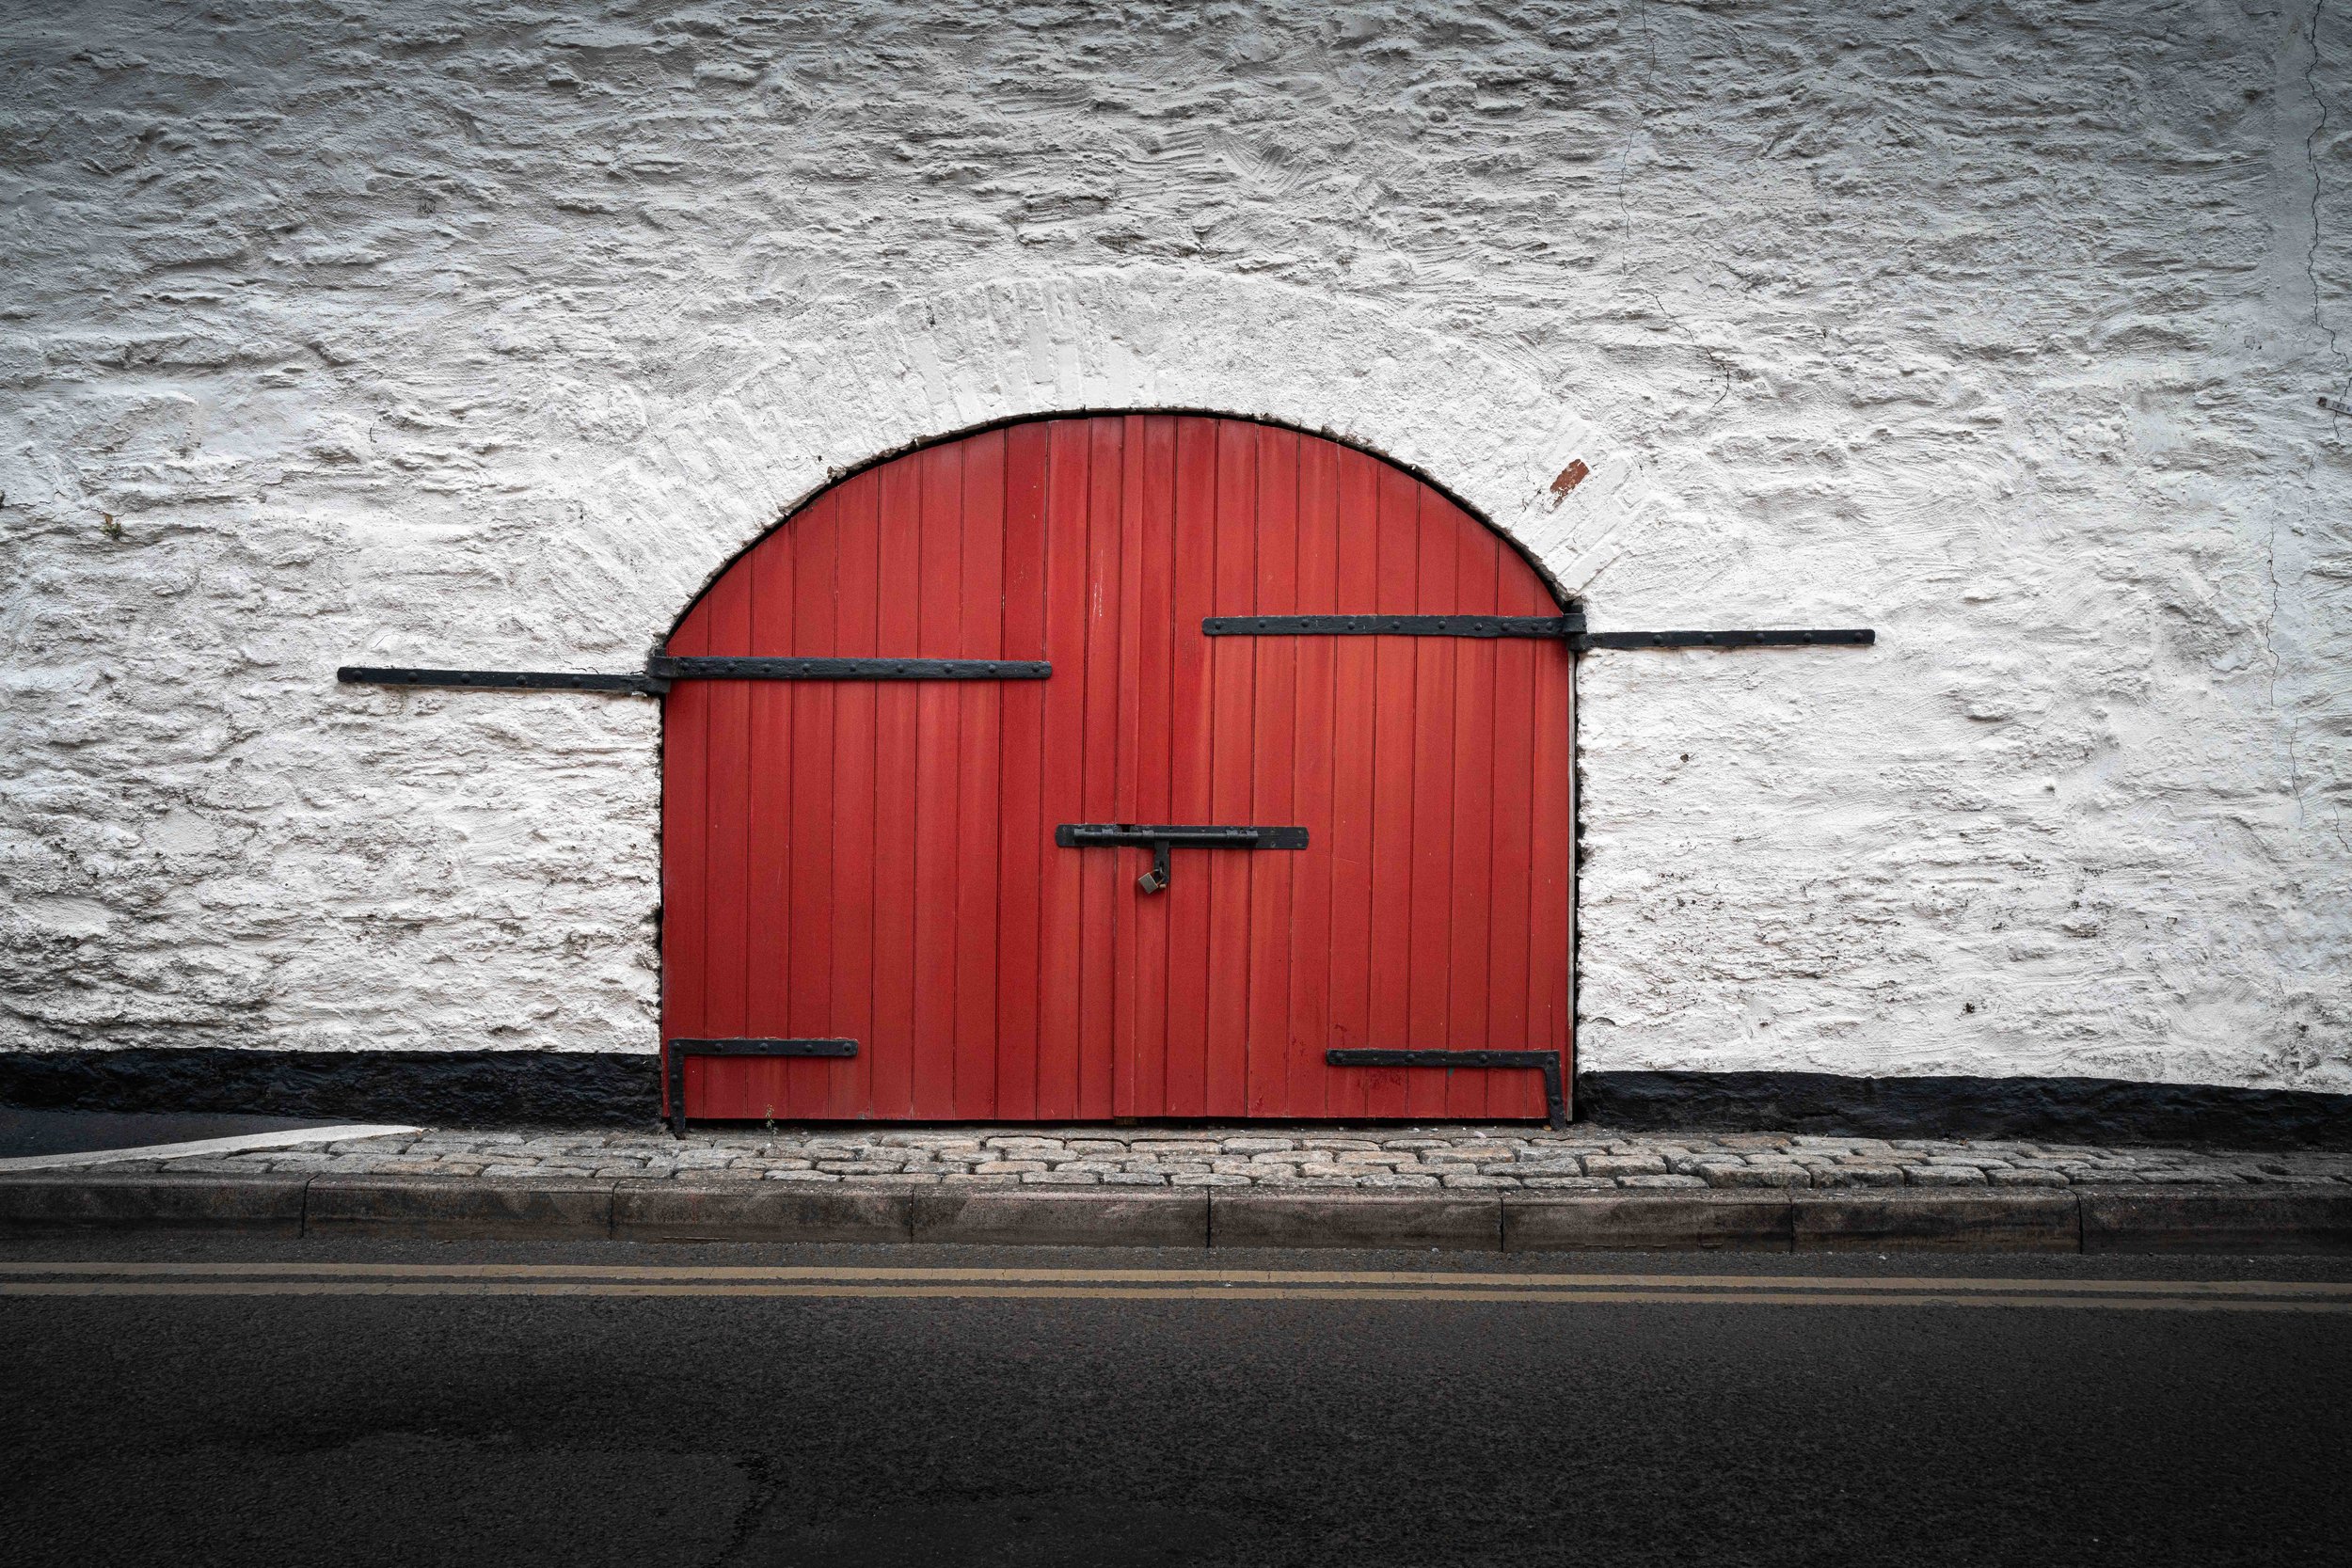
1546 1062
1165 836
662 669
1566 628
680 1050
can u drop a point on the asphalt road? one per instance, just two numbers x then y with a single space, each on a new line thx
472 1405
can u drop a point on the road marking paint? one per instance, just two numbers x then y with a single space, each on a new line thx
206 1146
1202 1291
1418 1280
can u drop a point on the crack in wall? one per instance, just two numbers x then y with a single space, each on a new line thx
2333 404
1719 368
2270 686
2310 254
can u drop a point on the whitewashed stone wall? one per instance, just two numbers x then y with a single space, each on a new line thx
386 332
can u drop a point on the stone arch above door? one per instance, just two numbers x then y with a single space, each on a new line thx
841 390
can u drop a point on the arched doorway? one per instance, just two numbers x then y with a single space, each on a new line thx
953 874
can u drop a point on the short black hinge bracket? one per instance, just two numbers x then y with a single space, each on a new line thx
679 1049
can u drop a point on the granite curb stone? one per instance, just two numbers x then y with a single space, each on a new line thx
251 1205
1258 1217
1668 1220
457 1208
2116 1219
2024 1219
997 1216
735 1210
2107 1218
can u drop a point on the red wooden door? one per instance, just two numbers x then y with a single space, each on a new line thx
874 860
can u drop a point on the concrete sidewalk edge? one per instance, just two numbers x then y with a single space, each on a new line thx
2107 1219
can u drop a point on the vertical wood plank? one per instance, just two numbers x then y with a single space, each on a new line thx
729 847
1273 757
1062 894
1512 830
1025 838
1428 942
1477 563
1355 710
938 739
849 912
1156 634
1315 762
1232 661
979 802
1104 888
1513 833
1128 913
770 909
897 619
1397 532
808 787
1189 748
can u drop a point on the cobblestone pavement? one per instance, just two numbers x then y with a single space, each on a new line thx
1386 1157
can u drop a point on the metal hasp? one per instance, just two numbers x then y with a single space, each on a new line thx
1165 836
680 1050
1545 1062
1566 628
662 670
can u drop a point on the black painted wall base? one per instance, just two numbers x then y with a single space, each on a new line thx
570 1089
453 1089
2077 1110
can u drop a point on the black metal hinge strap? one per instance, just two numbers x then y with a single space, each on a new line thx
1847 637
663 667
1567 628
1545 1062
662 670
1162 837
681 1049
505 680
1392 625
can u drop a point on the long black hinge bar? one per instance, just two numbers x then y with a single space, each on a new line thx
1392 625
1167 835
507 680
1566 628
1545 1062
662 667
680 1050
662 670
1861 637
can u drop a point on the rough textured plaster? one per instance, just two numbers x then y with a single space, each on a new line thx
387 331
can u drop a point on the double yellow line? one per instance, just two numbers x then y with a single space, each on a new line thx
67 1278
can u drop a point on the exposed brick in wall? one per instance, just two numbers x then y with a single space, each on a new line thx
394 332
